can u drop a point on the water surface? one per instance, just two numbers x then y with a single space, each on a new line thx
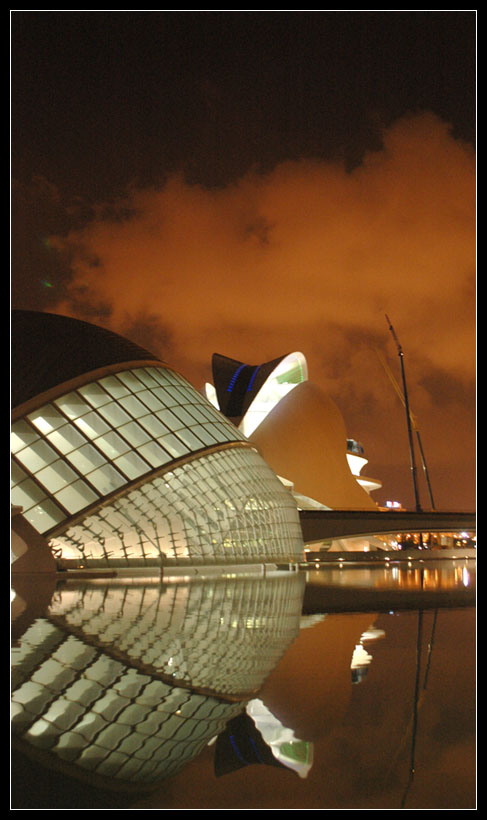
282 691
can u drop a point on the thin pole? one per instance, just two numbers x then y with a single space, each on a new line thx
408 416
413 424
425 469
412 763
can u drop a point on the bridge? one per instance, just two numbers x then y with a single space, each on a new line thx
322 525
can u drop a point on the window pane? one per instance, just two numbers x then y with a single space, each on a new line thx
57 475
132 465
146 377
131 381
76 496
114 414
196 413
47 419
209 412
222 432
37 456
106 479
92 425
67 438
17 474
165 396
184 416
133 406
22 435
190 439
114 386
150 400
158 374
95 394
86 459
27 494
72 405
45 516
183 395
174 445
205 436
168 417
154 454
153 426
112 445
134 433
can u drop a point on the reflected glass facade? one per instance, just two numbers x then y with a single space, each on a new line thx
101 716
130 681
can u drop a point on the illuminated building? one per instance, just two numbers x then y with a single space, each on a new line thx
118 461
247 393
357 461
296 427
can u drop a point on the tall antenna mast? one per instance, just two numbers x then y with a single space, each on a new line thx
408 416
413 424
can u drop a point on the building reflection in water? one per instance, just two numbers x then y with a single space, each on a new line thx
361 658
118 685
124 683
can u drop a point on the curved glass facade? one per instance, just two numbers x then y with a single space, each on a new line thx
91 442
224 507
208 494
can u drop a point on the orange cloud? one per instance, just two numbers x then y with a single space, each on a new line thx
306 257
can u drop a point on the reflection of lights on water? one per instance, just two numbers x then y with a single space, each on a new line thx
466 577
361 659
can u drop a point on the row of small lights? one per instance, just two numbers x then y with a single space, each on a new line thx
464 535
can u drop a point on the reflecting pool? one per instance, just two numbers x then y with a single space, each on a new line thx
328 688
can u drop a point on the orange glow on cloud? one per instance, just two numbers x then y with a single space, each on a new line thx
306 257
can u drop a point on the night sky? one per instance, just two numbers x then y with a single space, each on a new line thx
257 182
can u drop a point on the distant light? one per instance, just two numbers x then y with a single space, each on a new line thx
393 505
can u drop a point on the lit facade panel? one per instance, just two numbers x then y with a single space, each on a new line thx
90 442
222 507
